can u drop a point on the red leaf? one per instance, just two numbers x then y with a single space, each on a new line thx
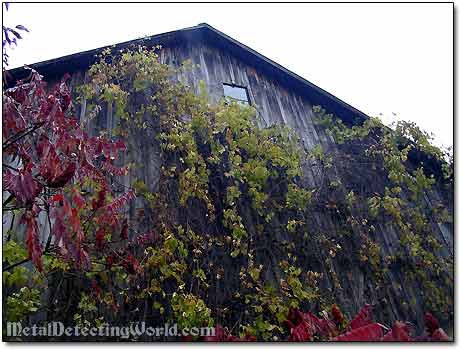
120 145
74 222
96 289
57 197
77 198
337 314
399 333
32 239
117 171
325 326
431 323
63 177
51 165
23 186
100 200
368 333
131 265
295 316
121 201
249 338
13 121
109 261
314 322
362 318
49 159
100 238
301 333
15 33
440 335
21 27
124 232
82 258
59 228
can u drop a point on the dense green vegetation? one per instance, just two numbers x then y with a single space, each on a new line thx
234 233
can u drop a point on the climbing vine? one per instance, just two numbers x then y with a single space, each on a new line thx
233 234
405 200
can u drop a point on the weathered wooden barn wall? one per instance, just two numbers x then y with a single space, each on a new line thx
277 104
274 103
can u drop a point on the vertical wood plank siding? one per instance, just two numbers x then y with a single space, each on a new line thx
276 105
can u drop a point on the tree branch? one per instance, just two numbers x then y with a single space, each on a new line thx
7 201
11 167
16 264
13 139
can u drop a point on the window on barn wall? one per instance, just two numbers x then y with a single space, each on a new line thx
237 93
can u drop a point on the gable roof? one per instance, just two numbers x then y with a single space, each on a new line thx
59 66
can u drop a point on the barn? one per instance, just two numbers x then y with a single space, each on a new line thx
350 260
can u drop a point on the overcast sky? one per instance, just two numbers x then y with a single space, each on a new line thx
389 60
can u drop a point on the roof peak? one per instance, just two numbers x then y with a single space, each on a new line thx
204 31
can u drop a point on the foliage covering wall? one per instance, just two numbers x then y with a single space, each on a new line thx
243 213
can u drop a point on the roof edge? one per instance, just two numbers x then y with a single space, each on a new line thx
285 70
18 71
342 109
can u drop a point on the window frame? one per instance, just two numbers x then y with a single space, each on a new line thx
232 85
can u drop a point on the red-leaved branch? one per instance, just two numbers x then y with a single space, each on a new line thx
55 173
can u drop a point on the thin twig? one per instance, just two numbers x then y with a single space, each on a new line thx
10 167
48 242
13 139
16 264
7 201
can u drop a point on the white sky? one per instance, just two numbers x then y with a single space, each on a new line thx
380 58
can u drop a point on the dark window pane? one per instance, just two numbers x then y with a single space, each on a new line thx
236 92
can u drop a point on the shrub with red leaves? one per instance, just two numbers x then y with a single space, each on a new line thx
48 157
305 327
